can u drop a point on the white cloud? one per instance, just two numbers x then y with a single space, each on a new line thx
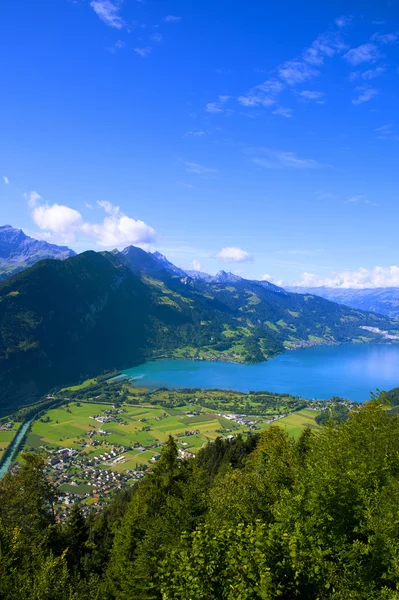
216 107
365 95
172 19
309 95
195 133
33 198
6 180
343 21
118 229
296 71
143 52
367 75
61 223
365 53
58 219
231 254
385 38
192 167
186 185
299 69
360 199
117 46
264 94
157 37
271 279
196 266
108 12
109 208
283 112
88 205
275 159
362 278
386 132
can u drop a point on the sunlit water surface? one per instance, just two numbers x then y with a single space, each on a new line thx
350 371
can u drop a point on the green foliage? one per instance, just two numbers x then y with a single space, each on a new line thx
66 321
263 518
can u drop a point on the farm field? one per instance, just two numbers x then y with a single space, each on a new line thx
139 431
6 438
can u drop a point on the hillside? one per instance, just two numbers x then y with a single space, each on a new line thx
19 251
62 321
383 301
256 517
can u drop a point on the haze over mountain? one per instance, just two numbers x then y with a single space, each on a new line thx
61 321
19 251
383 301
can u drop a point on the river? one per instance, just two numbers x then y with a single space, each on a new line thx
350 370
14 444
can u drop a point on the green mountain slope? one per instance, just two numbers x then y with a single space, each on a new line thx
63 321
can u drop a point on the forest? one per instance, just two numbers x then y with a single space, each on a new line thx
261 517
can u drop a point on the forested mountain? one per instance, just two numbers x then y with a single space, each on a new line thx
256 519
19 251
383 301
61 321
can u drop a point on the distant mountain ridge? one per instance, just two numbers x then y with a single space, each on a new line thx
226 277
383 301
63 321
19 251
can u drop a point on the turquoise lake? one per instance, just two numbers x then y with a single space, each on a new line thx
350 371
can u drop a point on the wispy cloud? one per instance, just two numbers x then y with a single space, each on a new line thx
343 21
33 198
312 96
365 94
277 159
6 180
360 199
108 12
296 70
367 75
196 266
217 107
386 132
186 185
119 44
323 195
143 52
385 38
192 167
157 37
195 134
264 94
368 52
172 19
283 112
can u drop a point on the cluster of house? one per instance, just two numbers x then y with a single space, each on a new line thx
192 432
6 426
74 468
242 419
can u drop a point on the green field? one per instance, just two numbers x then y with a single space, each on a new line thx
6 438
141 430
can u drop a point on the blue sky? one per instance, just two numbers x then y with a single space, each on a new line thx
257 137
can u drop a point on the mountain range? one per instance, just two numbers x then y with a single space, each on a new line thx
383 301
63 321
19 251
